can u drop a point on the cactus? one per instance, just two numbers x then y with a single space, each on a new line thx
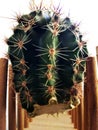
48 59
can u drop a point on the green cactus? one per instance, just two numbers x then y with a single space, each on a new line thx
48 59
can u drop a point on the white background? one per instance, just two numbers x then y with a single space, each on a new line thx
84 12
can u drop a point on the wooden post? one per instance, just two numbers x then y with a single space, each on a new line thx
20 115
76 117
12 101
86 104
81 116
73 116
26 119
3 88
30 119
97 54
70 112
92 94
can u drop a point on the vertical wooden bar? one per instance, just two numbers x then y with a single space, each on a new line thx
80 116
3 88
76 117
97 54
30 119
73 116
26 119
12 102
86 104
20 115
82 113
70 112
92 94
97 62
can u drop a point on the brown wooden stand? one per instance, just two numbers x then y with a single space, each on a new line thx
85 105
72 116
97 54
92 95
81 116
3 88
26 119
12 102
30 119
76 117
20 115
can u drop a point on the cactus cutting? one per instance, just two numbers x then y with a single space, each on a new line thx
48 57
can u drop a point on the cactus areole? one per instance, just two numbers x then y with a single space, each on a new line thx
48 61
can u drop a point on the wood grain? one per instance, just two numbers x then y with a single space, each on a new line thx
3 88
92 94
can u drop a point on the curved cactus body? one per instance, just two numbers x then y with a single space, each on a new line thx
48 59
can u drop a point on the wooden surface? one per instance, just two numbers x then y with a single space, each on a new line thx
97 54
3 88
92 93
12 101
76 118
86 89
80 108
26 120
60 121
20 115
52 122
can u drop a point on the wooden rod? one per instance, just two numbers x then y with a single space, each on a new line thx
97 54
92 94
75 119
73 116
12 101
82 113
30 119
70 112
20 115
86 104
81 116
26 119
3 88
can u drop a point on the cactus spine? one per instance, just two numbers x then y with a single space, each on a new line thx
48 58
